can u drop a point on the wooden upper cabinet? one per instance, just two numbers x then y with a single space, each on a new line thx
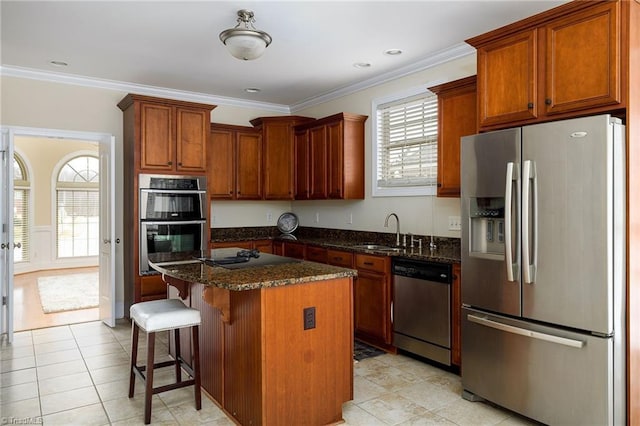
157 143
557 64
169 136
278 155
192 130
457 117
234 161
583 60
334 166
507 82
301 142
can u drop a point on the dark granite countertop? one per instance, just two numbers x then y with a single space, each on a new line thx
447 249
190 266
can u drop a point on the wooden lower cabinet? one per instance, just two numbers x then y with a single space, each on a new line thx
263 246
456 302
316 254
263 368
372 299
152 288
293 249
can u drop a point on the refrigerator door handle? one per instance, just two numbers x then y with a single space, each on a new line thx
508 214
529 230
524 332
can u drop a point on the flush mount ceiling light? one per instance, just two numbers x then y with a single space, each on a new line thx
252 90
58 63
393 52
362 65
244 41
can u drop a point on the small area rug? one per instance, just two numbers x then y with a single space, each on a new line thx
68 292
362 351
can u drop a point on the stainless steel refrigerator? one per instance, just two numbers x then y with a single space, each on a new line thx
543 270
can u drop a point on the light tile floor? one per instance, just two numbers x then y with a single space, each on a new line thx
78 375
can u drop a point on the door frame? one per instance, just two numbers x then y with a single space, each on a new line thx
104 140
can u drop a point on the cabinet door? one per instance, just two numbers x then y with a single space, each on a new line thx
152 288
456 302
295 250
456 118
372 306
156 137
583 60
248 166
318 162
220 159
278 161
192 128
340 258
263 246
507 79
335 161
302 167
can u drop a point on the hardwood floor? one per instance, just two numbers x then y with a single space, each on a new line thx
28 314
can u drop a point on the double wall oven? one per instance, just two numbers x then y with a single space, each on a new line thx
172 215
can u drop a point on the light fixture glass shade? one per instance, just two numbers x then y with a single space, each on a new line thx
244 41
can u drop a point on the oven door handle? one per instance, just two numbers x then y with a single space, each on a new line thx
173 191
173 222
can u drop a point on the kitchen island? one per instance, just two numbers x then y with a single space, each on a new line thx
276 340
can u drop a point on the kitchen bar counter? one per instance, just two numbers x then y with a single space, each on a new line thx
276 341
187 267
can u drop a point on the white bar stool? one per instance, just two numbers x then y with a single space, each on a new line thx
163 315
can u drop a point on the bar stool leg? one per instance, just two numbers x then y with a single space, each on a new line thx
176 334
134 357
148 391
196 365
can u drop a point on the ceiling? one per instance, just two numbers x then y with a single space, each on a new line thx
149 46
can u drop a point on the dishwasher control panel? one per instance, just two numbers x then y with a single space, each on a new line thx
423 270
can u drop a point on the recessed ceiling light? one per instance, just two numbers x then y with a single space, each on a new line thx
393 52
362 65
252 90
58 63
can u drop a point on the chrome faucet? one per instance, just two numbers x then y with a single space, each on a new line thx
386 225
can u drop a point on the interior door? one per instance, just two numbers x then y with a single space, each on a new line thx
6 236
107 303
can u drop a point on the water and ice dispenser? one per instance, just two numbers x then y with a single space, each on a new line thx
486 217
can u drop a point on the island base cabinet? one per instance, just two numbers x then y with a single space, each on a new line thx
263 367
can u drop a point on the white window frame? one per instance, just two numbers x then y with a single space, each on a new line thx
26 186
54 200
400 191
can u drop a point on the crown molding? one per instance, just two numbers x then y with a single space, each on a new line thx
139 89
440 57
446 55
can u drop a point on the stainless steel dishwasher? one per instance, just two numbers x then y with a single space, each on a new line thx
422 308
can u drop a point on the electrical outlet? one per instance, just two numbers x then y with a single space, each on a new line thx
213 219
269 217
350 218
309 318
317 217
454 223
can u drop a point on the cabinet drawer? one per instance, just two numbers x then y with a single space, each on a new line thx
263 246
340 258
372 263
317 254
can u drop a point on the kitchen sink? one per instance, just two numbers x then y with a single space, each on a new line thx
376 247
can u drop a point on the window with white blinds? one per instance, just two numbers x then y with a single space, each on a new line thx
78 208
407 145
21 208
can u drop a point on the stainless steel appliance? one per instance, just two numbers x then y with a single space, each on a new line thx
422 308
172 215
543 261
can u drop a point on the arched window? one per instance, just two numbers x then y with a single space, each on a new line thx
77 207
21 208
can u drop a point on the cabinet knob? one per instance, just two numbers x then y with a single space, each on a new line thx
439 185
170 163
230 192
530 105
547 101
179 164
